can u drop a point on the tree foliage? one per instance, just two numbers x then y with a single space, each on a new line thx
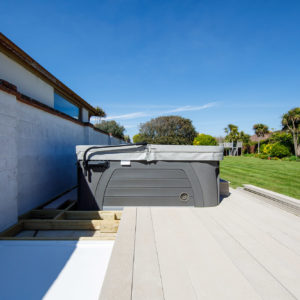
284 138
173 130
260 130
111 127
279 150
99 112
233 134
291 123
204 139
137 138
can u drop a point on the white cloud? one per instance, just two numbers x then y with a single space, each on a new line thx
134 115
192 108
140 114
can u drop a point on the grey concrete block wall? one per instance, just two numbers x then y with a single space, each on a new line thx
38 159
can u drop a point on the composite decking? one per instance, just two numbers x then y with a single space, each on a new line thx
245 248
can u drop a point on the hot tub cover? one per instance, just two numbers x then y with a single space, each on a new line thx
152 152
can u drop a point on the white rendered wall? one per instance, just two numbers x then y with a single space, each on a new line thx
26 82
8 161
46 155
84 115
38 159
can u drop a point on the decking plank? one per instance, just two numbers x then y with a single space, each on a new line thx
280 261
117 284
146 272
176 280
254 202
273 227
241 249
262 281
202 258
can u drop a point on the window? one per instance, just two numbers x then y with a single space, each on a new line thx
65 106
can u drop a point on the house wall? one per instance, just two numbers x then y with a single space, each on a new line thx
27 83
8 161
84 115
37 145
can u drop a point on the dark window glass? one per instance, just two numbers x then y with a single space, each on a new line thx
65 106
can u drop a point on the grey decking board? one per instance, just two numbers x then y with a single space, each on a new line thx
117 284
176 281
282 263
146 272
274 228
262 280
224 252
205 261
286 218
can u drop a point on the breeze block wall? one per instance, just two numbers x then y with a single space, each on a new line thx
38 159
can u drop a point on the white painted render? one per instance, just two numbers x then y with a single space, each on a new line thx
26 82
37 149
38 159
84 115
8 160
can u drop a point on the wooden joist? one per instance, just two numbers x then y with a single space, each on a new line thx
102 225
65 225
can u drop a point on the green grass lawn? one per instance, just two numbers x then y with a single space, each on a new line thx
275 175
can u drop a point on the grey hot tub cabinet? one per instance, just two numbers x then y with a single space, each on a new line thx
148 175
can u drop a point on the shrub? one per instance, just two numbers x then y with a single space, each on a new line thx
291 158
263 156
137 138
283 138
204 139
278 150
267 149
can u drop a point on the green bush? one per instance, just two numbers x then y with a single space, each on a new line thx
263 156
275 158
283 138
204 139
291 158
266 149
278 150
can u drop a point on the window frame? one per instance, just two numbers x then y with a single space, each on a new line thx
66 98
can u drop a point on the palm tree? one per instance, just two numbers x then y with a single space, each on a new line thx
99 112
232 133
291 122
260 130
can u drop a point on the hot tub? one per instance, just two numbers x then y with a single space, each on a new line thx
148 175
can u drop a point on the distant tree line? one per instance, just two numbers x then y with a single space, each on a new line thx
176 130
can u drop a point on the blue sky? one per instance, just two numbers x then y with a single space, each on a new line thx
215 62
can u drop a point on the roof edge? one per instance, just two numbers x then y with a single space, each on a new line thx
17 54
